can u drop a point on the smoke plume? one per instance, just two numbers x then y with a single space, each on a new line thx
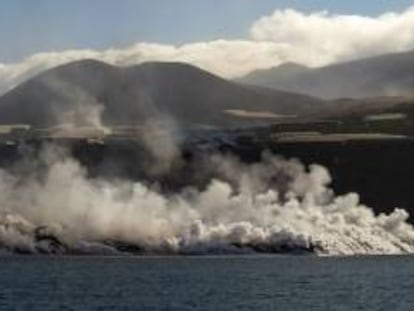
76 110
276 205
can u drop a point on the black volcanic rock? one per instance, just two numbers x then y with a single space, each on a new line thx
385 75
130 95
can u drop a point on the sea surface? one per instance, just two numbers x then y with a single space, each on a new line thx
207 283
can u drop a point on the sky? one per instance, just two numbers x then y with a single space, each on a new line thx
229 38
28 27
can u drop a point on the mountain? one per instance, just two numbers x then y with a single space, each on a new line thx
385 75
275 76
84 91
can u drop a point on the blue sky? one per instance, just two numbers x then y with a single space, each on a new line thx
30 26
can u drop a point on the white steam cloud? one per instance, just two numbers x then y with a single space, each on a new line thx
286 35
86 111
67 211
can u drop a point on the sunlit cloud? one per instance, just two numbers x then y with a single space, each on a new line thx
312 39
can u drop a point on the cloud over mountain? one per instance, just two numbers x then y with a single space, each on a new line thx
286 35
320 38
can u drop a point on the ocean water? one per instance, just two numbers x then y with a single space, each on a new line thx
207 283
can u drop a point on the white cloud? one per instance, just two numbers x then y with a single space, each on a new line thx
225 58
286 35
324 38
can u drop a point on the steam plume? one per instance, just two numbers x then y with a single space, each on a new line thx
275 205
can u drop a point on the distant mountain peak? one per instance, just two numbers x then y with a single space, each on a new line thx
291 65
381 75
131 95
84 63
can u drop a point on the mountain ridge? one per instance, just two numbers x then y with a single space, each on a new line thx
125 95
381 75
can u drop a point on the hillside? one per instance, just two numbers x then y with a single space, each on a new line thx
82 92
385 75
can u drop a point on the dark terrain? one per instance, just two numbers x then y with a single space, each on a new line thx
80 91
384 75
